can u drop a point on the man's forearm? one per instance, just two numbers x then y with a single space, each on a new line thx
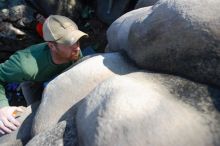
3 99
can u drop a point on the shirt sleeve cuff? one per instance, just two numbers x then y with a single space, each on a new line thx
3 103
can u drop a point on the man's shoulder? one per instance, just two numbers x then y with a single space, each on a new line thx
36 48
31 51
31 55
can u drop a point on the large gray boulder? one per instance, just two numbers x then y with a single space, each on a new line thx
65 91
118 32
103 102
142 109
115 106
179 37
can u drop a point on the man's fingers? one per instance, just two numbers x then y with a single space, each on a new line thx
15 108
19 109
4 128
14 121
2 132
9 125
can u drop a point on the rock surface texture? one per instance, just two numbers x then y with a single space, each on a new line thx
177 37
78 81
16 27
153 86
143 108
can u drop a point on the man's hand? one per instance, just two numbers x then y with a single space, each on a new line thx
8 123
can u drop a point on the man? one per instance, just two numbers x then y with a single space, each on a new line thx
39 63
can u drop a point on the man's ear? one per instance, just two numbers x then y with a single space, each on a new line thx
51 45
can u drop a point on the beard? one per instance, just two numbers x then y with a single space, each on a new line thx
75 55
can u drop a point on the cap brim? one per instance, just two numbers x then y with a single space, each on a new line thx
71 37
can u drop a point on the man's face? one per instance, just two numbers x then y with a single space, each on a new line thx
67 53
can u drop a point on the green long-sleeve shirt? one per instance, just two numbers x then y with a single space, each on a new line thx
31 64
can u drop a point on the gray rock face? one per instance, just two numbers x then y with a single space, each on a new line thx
117 105
149 109
106 100
118 32
145 3
14 15
53 136
12 143
15 27
78 81
178 37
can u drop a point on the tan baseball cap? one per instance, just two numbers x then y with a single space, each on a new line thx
61 30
